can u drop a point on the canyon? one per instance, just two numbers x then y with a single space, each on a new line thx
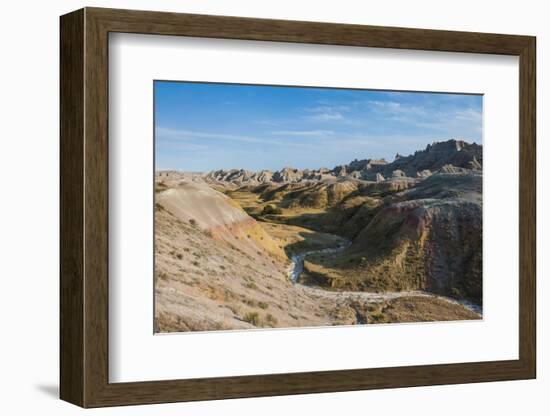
366 242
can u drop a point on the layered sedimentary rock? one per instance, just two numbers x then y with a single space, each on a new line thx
450 156
428 236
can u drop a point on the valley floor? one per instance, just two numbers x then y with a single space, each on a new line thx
368 307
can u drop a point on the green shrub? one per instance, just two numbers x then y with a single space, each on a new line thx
252 318
378 318
271 209
456 292
270 320
263 305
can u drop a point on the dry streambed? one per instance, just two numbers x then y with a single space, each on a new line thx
365 300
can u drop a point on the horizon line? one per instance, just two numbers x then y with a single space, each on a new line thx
321 167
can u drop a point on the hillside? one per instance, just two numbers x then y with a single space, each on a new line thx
393 249
428 237
216 268
198 204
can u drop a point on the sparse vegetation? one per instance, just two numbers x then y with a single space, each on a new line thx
271 210
456 293
270 320
252 318
378 318
162 276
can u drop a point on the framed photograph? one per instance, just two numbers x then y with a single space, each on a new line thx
255 207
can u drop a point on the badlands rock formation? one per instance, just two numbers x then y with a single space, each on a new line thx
449 156
224 241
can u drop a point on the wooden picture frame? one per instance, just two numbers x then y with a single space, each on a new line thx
84 207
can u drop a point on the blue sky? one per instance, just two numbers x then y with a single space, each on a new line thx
201 127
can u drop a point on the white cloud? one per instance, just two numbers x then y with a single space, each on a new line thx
328 108
469 115
448 120
164 133
385 104
172 137
325 113
326 117
396 108
303 133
